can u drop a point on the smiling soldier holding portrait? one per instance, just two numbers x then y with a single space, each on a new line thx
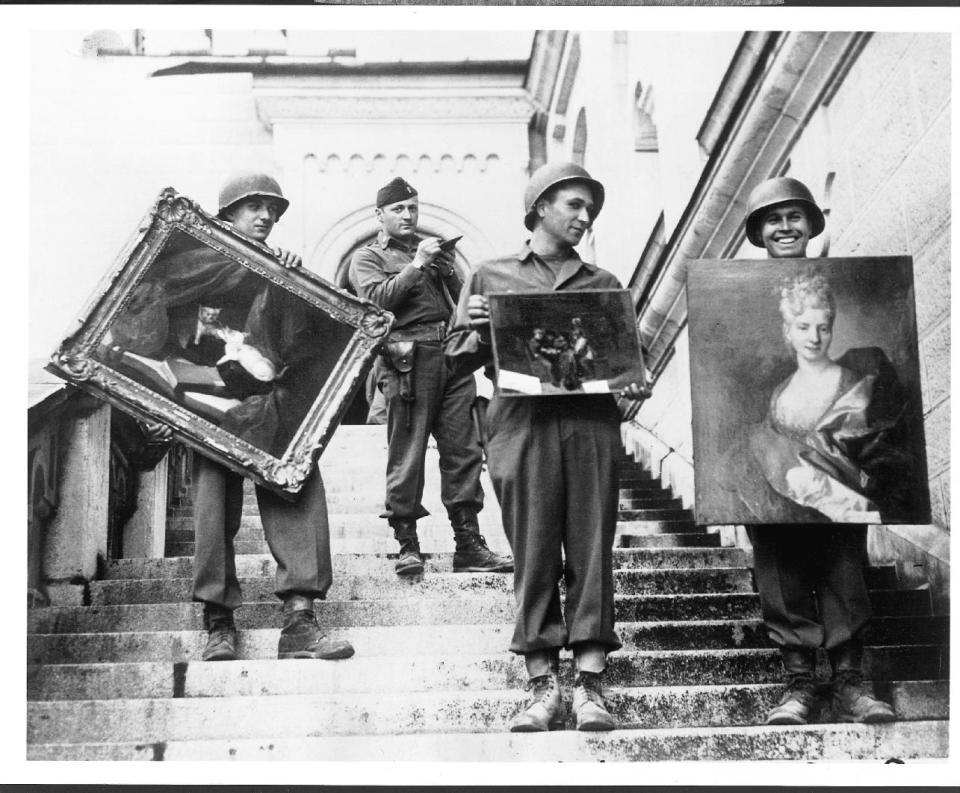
826 450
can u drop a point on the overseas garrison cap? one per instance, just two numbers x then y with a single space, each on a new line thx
396 190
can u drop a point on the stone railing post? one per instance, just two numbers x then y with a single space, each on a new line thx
76 535
144 535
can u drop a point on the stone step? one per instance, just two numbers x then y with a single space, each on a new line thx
338 545
640 479
433 533
374 564
629 524
296 716
182 529
656 493
399 674
377 533
686 539
820 742
719 634
631 487
365 586
663 516
649 502
466 609
406 640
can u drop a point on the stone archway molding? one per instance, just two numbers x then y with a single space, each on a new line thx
327 253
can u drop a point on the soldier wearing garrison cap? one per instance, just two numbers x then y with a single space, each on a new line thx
415 280
552 462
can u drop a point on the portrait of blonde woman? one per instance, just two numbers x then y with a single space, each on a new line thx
831 446
807 411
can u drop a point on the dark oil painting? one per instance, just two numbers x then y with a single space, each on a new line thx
562 343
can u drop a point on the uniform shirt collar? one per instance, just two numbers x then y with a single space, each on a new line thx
385 241
526 253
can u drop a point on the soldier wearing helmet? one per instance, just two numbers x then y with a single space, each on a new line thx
253 203
820 598
552 462
416 280
297 533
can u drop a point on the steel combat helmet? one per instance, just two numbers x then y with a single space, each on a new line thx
551 175
781 190
244 185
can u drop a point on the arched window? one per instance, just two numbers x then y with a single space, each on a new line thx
580 137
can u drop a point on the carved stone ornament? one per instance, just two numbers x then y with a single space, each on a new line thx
185 331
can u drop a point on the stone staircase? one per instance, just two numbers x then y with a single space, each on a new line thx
120 678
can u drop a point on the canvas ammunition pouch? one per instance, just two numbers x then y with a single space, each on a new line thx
400 356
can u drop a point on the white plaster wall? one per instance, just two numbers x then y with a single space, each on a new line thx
105 139
684 70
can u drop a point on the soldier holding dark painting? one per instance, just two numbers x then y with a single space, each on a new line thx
565 446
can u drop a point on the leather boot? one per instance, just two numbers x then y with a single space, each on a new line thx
545 711
589 706
851 701
301 637
472 554
409 561
799 700
221 634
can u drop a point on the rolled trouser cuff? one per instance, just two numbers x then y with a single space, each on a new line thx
847 656
799 660
542 662
590 657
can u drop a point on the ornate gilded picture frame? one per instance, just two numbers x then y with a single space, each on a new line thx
806 392
200 327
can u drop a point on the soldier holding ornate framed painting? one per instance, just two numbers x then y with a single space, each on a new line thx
203 328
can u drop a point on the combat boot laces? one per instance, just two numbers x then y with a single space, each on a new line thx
589 707
545 710
797 703
301 637
409 560
851 703
473 556
221 639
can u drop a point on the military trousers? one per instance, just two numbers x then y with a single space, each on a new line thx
553 464
811 585
440 407
298 535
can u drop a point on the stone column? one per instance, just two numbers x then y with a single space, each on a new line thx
145 532
77 532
